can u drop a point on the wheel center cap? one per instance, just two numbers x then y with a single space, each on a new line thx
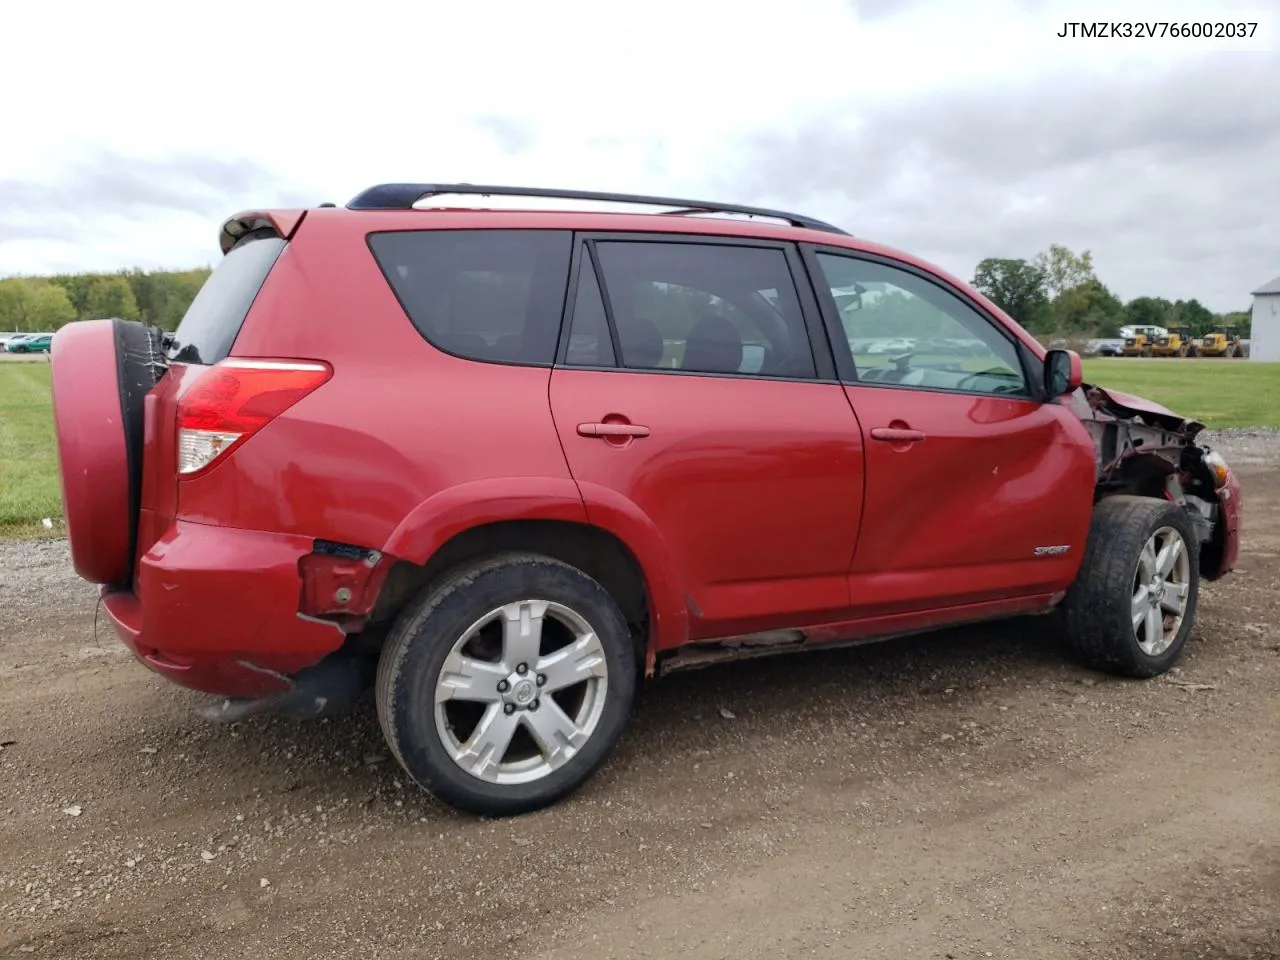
523 691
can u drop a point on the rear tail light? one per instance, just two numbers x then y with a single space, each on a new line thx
233 400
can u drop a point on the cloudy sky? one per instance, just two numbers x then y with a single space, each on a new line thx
957 130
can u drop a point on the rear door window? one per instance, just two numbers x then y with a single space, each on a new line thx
213 321
695 307
492 295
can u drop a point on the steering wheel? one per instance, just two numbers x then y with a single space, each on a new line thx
964 384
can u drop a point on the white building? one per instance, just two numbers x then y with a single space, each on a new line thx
1265 335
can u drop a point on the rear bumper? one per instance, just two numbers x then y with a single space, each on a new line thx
215 609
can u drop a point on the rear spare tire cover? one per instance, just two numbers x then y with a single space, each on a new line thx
102 371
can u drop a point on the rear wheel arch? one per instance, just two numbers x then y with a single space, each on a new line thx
438 519
564 509
597 552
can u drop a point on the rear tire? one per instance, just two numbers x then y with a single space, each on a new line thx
1133 604
506 685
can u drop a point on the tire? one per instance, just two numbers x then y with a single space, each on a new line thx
432 632
1099 607
102 372
1192 352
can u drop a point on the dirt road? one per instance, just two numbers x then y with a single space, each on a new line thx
966 795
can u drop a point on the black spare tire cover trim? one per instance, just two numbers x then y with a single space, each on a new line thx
140 362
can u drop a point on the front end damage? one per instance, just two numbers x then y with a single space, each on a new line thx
1146 449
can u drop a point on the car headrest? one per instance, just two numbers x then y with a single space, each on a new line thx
641 343
714 346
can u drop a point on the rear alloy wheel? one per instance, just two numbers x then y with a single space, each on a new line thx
507 685
1133 604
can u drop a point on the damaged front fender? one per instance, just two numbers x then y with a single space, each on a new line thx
1126 405
1124 427
1144 448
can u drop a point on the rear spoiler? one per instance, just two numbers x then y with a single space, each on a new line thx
283 222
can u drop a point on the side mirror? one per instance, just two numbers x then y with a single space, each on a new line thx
1063 372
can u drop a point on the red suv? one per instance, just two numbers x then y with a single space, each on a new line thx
498 464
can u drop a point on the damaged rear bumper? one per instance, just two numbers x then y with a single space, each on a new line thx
216 609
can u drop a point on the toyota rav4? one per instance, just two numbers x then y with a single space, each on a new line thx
500 463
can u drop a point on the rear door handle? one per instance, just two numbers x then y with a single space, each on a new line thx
607 430
897 434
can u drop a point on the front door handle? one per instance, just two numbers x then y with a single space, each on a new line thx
610 431
897 434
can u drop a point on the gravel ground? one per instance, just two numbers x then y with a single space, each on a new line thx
1245 446
967 794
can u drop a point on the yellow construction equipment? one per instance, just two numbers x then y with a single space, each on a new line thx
1139 343
1223 342
1176 343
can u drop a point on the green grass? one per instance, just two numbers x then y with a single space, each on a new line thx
1221 393
29 488
1218 393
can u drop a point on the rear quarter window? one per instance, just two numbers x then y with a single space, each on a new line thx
491 295
211 324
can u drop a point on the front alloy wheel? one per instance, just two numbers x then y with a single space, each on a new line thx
1161 590
1133 603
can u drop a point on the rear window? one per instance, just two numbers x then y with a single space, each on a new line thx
492 295
213 321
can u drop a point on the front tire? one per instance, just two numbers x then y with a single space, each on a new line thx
505 686
1133 604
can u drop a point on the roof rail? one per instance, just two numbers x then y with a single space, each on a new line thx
402 196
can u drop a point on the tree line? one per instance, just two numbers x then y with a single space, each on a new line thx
43 304
1057 294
